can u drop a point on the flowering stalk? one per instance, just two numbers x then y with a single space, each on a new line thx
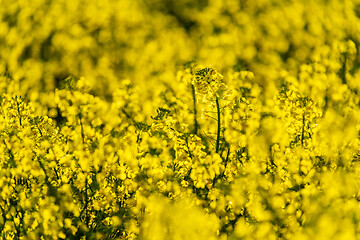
209 84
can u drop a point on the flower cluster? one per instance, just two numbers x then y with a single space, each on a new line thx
209 83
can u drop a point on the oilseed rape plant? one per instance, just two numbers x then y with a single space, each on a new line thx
192 119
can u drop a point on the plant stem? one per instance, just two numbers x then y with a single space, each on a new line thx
82 128
303 130
187 145
218 126
196 125
343 70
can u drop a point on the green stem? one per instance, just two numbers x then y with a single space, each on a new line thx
18 110
82 128
218 126
303 130
187 145
39 130
196 125
343 70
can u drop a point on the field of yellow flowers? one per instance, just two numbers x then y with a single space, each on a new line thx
190 119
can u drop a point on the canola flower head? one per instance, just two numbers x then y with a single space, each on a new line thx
209 83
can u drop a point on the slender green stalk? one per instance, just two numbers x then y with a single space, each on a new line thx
187 145
196 125
82 129
218 126
18 110
344 70
303 130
